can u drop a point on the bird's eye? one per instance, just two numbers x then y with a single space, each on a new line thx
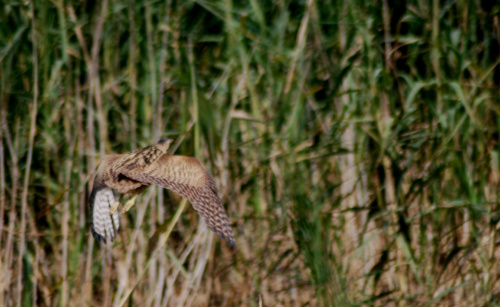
121 177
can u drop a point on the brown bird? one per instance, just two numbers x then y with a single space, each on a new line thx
131 173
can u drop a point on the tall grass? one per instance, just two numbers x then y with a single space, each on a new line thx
354 145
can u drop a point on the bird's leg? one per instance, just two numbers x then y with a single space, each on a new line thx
114 207
129 203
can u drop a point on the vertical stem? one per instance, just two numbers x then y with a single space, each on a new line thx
434 55
387 35
35 276
389 184
132 75
152 64
2 180
2 198
435 40
95 80
62 26
65 221
15 174
24 200
163 77
194 97
81 148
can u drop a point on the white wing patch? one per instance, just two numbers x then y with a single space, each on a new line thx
103 221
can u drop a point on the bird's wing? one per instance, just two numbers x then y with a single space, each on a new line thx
101 199
188 178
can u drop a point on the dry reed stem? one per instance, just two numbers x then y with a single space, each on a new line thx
24 200
163 240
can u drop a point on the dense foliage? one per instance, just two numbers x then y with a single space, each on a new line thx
354 145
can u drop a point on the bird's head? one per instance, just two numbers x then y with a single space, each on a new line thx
164 144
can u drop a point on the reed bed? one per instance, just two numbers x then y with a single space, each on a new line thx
354 145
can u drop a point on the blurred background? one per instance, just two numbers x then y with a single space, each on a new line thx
354 145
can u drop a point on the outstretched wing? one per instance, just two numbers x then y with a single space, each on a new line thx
188 178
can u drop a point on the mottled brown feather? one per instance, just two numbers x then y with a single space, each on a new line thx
188 178
130 173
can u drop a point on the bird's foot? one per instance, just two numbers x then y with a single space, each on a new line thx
114 208
129 204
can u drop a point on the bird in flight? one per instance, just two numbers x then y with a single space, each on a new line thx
131 173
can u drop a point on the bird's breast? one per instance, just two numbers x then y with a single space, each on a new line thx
125 185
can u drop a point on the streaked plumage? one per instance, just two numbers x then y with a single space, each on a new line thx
131 173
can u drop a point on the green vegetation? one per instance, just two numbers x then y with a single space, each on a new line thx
354 144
